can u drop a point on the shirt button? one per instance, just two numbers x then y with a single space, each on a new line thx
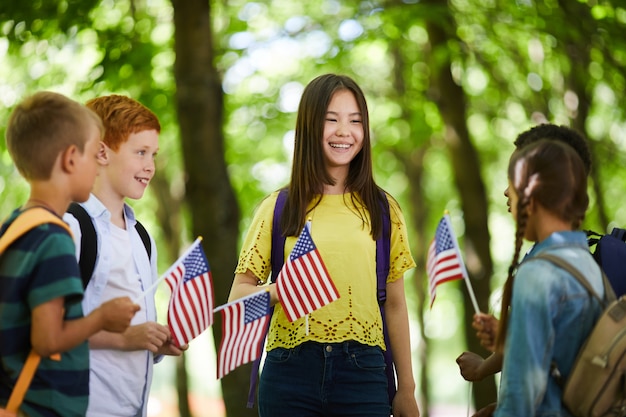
329 349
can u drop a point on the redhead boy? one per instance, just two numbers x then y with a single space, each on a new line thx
121 364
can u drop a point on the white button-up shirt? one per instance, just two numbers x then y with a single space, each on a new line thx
119 381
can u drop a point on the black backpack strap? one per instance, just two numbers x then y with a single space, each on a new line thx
88 242
145 238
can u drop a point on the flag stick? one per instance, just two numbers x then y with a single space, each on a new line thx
171 268
223 306
470 290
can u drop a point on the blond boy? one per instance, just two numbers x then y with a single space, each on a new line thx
54 142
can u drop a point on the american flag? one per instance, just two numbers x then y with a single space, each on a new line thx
191 304
303 284
244 324
444 261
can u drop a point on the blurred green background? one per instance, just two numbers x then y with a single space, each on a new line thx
449 85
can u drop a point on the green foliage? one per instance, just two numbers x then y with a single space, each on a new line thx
519 63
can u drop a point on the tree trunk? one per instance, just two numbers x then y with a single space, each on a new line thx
450 99
413 163
578 80
209 194
168 216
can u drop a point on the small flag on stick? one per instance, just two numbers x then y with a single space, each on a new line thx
444 260
303 284
191 303
244 325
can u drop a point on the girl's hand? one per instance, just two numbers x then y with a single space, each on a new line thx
470 366
486 326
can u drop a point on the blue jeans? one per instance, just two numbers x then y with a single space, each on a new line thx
324 380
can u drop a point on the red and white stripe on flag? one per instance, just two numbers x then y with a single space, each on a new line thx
304 284
191 303
244 325
444 263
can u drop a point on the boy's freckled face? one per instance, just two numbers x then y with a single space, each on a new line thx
131 167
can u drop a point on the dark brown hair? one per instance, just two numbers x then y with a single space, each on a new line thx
309 174
554 176
561 133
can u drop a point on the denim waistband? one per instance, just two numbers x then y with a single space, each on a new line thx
330 349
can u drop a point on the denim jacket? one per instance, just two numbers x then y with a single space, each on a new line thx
551 316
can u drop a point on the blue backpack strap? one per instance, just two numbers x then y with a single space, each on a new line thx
383 255
277 260
619 233
610 253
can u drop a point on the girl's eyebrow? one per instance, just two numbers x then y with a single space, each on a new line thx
357 113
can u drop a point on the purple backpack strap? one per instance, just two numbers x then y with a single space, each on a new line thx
278 240
383 255
277 260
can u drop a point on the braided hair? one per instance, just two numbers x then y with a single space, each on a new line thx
553 175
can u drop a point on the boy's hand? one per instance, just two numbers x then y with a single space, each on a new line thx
117 314
146 336
486 327
171 349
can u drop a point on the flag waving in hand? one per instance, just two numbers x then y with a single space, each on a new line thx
444 260
244 324
303 284
191 304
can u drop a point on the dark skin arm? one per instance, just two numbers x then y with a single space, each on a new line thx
474 368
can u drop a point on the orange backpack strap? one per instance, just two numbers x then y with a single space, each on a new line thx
26 221
23 381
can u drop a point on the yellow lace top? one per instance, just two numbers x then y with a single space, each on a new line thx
349 253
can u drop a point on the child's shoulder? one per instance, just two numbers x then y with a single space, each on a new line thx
34 231
45 253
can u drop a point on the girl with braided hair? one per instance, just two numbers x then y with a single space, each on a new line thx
546 313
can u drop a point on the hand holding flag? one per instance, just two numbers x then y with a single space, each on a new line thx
191 303
303 284
244 324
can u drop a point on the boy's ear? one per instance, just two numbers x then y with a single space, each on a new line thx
103 153
68 158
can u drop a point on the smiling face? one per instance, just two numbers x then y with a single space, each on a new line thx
131 167
343 133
